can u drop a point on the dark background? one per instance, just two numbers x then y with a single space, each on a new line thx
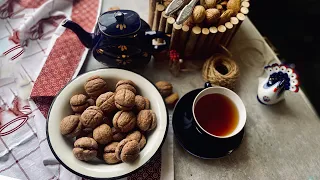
292 28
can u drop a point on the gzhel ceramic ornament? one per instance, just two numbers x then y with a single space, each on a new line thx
280 78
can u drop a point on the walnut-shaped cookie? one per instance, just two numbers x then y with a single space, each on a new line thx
126 84
165 88
86 132
127 150
139 137
117 134
85 149
95 86
91 102
103 134
91 117
70 126
124 99
106 102
124 121
79 103
141 103
109 154
146 120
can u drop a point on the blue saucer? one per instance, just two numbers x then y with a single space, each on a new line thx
192 140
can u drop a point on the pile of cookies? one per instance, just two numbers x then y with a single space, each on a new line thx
110 125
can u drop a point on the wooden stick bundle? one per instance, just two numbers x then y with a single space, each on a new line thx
157 16
202 41
152 7
227 34
183 38
175 36
194 35
216 40
169 25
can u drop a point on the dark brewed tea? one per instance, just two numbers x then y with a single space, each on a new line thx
217 114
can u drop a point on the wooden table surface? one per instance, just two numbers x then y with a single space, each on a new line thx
281 141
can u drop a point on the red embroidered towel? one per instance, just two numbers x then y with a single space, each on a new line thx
64 57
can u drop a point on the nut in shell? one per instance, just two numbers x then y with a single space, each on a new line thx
127 150
234 5
124 99
71 126
109 155
208 3
103 134
198 14
189 22
79 103
91 117
225 16
219 7
164 87
212 16
95 86
125 121
146 120
85 149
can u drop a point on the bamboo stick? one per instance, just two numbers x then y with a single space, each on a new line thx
245 4
216 40
241 17
234 21
175 36
227 34
163 20
183 38
169 25
194 35
213 31
157 16
162 24
244 10
152 7
201 45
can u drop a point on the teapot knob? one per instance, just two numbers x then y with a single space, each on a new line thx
119 16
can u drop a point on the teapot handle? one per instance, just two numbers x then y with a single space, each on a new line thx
157 34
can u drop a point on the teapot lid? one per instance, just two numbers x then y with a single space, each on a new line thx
119 23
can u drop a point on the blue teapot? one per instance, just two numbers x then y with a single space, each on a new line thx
120 39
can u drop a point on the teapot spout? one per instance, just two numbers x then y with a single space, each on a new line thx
85 37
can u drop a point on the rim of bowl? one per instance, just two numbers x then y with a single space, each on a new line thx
116 177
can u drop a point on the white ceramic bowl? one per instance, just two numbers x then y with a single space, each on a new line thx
62 147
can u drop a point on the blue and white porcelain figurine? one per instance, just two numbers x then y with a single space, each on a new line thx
280 78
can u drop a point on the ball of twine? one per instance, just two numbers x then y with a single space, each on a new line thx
221 70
